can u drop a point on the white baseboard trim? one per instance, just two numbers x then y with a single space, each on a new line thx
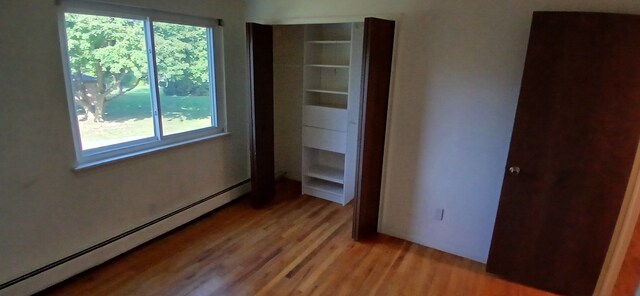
96 255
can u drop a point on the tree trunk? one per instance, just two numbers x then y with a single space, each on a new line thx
98 101
98 108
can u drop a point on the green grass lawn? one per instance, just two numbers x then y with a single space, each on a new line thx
129 117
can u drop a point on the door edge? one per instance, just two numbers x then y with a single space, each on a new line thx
622 233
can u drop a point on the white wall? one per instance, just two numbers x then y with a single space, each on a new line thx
48 211
457 74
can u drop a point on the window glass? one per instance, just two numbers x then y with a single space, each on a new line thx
182 55
108 69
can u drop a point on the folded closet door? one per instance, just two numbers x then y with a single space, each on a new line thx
575 136
376 74
260 61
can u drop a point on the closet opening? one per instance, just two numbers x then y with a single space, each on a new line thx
309 86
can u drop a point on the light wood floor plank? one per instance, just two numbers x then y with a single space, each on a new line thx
299 245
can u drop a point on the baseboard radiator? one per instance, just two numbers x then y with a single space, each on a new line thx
69 266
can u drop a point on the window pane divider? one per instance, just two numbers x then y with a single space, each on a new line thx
153 78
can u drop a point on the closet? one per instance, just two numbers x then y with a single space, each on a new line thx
310 96
317 72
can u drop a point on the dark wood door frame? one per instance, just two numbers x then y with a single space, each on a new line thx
376 81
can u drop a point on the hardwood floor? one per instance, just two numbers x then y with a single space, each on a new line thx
298 245
629 277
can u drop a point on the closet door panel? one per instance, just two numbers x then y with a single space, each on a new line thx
260 62
376 74
574 140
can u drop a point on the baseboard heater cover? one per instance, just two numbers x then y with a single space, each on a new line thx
44 283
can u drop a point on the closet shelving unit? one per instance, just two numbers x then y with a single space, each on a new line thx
332 60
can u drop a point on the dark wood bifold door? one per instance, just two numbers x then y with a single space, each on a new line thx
376 74
260 60
574 140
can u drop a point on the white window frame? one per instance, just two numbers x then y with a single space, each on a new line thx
100 155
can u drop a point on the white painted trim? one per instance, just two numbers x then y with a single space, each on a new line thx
136 153
107 8
324 19
64 49
623 232
68 269
387 138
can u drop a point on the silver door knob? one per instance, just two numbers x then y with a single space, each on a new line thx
514 170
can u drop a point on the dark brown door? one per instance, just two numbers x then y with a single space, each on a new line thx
376 74
574 140
260 60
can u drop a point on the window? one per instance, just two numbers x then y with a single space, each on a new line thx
139 80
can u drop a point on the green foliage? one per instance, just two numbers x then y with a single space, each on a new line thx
114 51
181 53
106 46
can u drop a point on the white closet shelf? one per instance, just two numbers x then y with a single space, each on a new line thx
328 66
328 105
326 91
326 186
326 173
329 41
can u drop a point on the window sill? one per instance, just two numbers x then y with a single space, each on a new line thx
109 160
